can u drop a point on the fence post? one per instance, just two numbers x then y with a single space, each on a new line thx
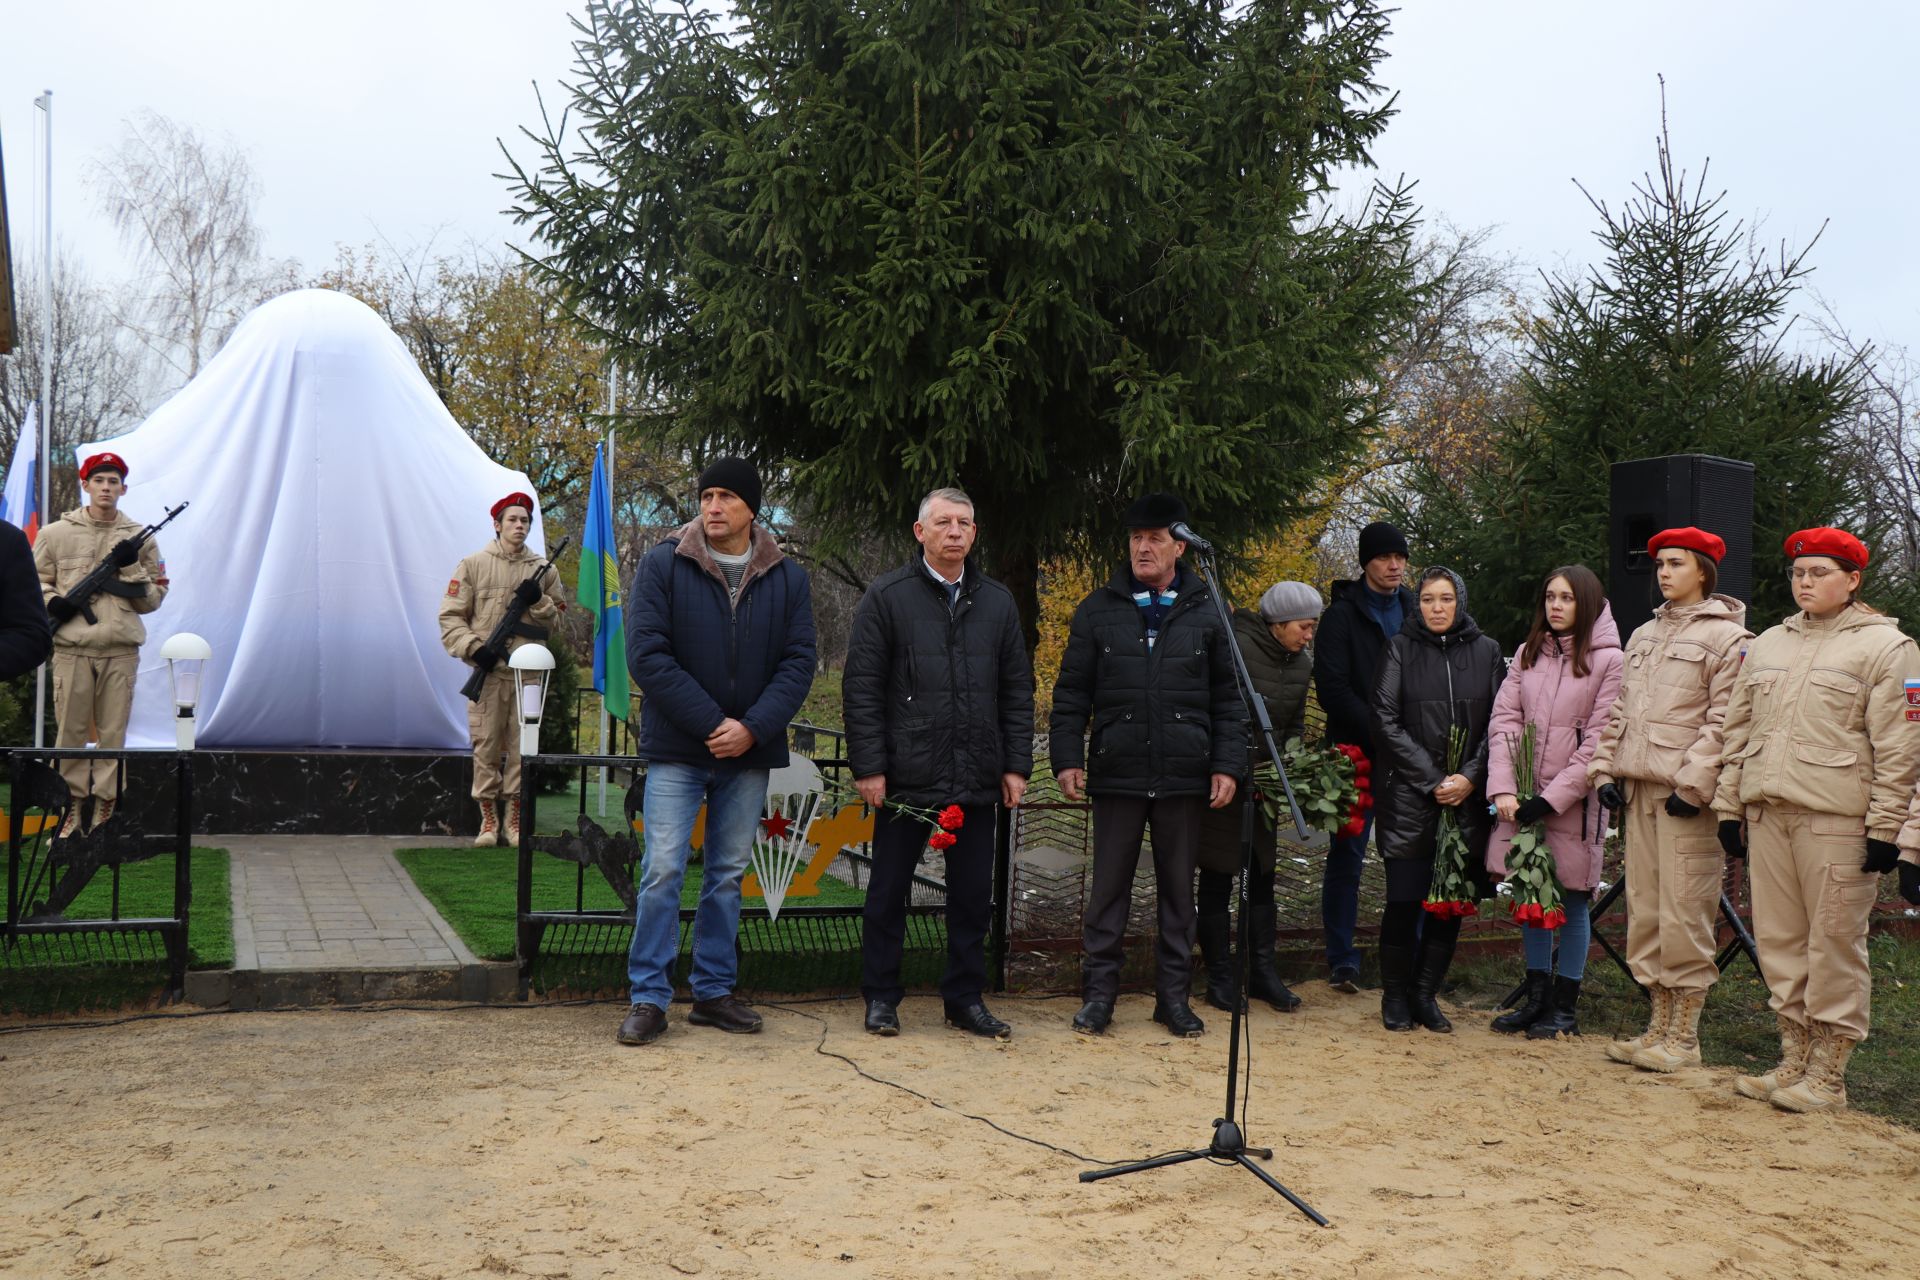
182 866
1001 928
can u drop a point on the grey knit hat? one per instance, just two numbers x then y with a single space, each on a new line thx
1290 602
1439 571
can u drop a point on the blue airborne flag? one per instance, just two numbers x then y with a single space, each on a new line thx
599 592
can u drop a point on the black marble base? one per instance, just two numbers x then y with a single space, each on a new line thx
315 792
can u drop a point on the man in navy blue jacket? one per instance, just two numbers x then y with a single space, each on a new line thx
720 641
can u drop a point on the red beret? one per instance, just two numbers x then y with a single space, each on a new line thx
1689 538
513 500
112 461
1837 543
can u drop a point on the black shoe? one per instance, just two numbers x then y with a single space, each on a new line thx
1559 1019
1528 1006
882 1020
1396 976
1179 1019
724 1013
975 1020
1430 971
1093 1017
1216 951
1263 979
642 1025
1345 978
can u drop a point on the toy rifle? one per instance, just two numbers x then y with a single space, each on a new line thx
105 576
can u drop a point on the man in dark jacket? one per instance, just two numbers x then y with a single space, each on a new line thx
720 642
938 694
1354 630
1147 665
26 637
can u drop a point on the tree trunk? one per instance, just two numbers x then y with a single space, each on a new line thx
1018 569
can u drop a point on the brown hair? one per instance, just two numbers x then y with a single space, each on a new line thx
1709 577
1588 599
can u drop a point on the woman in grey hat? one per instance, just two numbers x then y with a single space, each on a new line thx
1276 642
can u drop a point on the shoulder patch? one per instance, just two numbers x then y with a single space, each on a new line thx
1913 695
1913 715
453 586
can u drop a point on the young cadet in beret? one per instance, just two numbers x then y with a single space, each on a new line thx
1822 750
1657 764
482 587
94 662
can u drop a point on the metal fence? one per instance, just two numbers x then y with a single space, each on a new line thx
52 920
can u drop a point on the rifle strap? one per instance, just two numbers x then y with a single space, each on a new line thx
124 589
530 631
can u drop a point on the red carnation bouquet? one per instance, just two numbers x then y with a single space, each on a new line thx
944 822
1530 874
1330 784
1454 891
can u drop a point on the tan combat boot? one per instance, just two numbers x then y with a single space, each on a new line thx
102 813
1680 1047
1824 1088
1795 1044
71 826
1623 1050
489 825
513 823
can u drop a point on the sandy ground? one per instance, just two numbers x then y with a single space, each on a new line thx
526 1142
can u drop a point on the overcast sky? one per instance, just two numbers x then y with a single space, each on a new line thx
367 119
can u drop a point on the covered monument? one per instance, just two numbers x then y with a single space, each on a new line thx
332 495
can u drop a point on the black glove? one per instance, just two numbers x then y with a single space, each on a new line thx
60 610
1730 839
1678 808
123 554
1482 883
526 593
1910 882
1612 796
485 658
1882 856
1532 811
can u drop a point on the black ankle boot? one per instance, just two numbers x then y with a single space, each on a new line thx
1531 1003
1430 970
1216 952
1558 1020
1263 979
1396 978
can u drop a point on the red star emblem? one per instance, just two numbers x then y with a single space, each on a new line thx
777 826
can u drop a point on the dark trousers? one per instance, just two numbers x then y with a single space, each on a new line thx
897 844
1340 897
1118 824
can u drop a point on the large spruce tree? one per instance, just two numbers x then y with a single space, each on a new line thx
1054 251
1677 342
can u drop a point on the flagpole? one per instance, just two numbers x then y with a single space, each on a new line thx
44 444
606 721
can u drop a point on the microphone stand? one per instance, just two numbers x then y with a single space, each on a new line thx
1229 1144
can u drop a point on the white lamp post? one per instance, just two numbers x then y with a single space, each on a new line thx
530 663
186 655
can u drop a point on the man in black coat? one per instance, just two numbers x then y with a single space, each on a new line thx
1365 613
1147 665
26 636
938 696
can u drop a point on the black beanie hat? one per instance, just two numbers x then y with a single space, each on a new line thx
1156 511
736 476
1381 539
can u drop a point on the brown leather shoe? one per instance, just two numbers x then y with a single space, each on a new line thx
726 1013
642 1025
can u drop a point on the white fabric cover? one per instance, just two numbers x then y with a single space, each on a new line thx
333 495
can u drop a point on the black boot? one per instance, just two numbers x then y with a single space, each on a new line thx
1430 970
1396 977
1263 980
1216 951
1530 1005
1558 1020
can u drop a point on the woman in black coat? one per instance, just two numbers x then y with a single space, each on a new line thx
1439 672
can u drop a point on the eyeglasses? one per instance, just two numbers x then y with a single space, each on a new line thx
1814 574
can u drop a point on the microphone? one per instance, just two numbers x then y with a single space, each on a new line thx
1182 533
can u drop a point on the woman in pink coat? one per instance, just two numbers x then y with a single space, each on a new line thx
1563 682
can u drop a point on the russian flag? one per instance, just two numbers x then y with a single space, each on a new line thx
20 500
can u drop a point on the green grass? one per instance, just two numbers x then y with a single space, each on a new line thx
1738 1030
62 972
474 891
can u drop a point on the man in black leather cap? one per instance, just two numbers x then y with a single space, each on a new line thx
938 696
1148 667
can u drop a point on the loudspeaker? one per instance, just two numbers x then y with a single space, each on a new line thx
1651 494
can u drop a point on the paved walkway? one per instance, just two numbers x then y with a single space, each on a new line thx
332 902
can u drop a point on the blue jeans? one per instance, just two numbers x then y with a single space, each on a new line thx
1576 936
735 800
1340 896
